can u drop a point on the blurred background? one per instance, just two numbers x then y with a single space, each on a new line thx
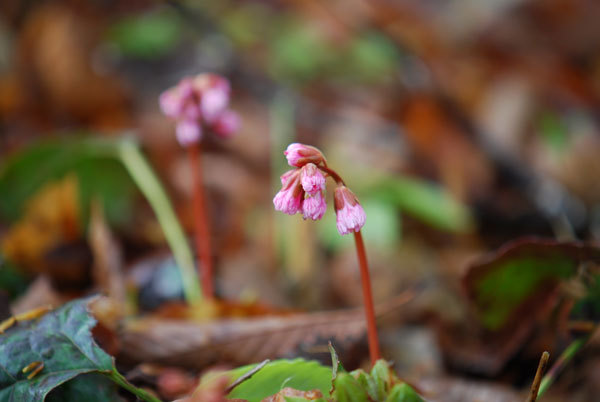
460 125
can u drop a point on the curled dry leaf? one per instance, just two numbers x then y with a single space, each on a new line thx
240 341
512 291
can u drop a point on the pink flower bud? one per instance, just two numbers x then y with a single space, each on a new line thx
350 215
313 180
314 206
285 177
289 199
188 132
213 103
299 155
227 124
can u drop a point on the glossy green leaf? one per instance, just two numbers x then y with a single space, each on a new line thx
298 374
62 341
75 368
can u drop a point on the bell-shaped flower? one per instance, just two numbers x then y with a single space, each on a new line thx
350 215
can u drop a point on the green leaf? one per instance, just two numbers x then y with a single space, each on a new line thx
349 389
298 374
74 366
382 379
403 393
12 281
107 170
425 201
510 282
147 36
100 176
62 341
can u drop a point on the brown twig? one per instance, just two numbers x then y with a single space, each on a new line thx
246 376
374 351
202 226
533 393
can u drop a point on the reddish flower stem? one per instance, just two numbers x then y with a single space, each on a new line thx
368 298
338 179
202 225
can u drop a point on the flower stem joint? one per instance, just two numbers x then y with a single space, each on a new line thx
303 190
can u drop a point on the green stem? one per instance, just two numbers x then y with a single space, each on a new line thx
140 393
561 362
145 178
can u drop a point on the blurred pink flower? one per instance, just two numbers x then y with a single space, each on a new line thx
314 206
203 100
350 215
188 132
299 155
313 180
227 124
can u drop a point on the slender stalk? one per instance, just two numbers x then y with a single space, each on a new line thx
338 179
142 174
535 386
368 298
140 393
561 362
202 225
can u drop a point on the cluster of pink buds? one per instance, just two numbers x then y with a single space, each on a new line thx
200 102
303 190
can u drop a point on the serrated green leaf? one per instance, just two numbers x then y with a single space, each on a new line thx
403 393
298 374
349 389
62 341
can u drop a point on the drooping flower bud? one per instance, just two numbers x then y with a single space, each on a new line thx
314 206
313 180
188 132
227 124
350 215
299 155
290 198
213 103
285 177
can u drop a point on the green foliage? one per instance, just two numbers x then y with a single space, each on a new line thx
507 287
380 385
524 271
62 341
107 170
146 36
12 281
298 374
554 131
99 175
75 367
425 201
403 393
